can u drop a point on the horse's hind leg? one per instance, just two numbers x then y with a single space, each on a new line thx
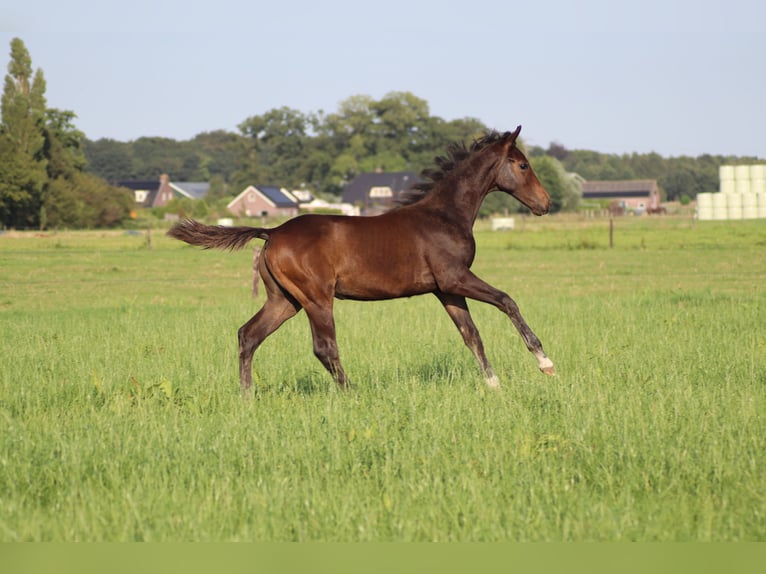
278 308
250 335
457 309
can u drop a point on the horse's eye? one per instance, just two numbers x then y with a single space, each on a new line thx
524 165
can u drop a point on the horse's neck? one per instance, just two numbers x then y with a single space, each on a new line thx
461 193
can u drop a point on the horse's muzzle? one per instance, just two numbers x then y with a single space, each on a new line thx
543 209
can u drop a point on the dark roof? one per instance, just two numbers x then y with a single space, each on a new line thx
358 189
139 184
625 188
275 195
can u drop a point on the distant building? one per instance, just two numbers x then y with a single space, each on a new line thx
151 193
376 192
322 206
639 195
302 195
190 189
264 201
141 188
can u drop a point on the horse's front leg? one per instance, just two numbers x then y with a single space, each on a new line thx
457 309
469 285
530 339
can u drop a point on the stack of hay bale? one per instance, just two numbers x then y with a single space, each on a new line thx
742 194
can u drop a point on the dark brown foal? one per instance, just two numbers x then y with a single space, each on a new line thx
424 246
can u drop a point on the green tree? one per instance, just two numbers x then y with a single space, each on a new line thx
153 156
218 189
110 159
439 134
84 200
365 135
63 143
278 138
22 158
680 180
219 151
561 186
398 131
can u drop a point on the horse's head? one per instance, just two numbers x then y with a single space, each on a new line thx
516 177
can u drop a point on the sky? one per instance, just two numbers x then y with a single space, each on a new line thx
675 77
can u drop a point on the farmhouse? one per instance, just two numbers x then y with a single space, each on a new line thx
639 195
150 193
375 192
141 188
264 201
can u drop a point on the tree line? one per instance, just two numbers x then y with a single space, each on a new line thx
323 152
52 175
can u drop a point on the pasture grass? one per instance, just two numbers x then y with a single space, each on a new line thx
121 420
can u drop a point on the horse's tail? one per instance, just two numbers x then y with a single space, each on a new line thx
216 236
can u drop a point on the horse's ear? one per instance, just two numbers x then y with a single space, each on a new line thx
515 134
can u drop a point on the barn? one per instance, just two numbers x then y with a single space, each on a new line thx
375 192
637 195
264 201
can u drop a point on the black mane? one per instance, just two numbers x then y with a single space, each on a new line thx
456 154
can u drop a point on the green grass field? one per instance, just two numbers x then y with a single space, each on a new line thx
121 419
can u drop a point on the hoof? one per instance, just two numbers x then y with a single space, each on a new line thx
549 370
493 383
